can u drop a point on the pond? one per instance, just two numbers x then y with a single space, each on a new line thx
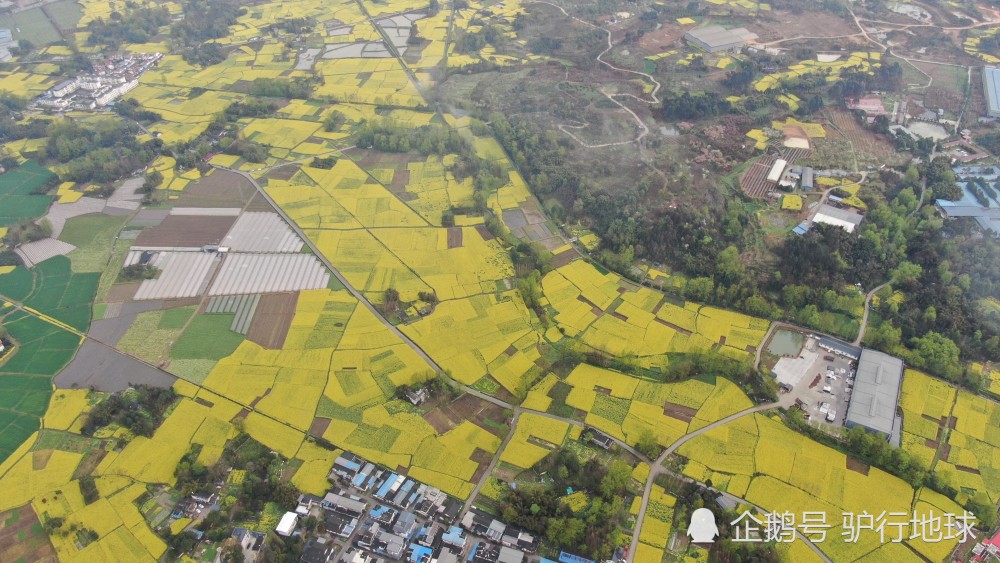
786 343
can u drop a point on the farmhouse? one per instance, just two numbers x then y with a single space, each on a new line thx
287 524
991 84
876 394
715 38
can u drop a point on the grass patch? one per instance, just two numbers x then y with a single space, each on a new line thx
207 338
92 235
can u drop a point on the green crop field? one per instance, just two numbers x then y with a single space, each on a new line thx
176 318
207 338
65 13
92 235
17 202
61 294
41 350
32 25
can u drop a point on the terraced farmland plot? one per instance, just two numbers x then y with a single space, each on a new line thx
627 407
758 458
615 318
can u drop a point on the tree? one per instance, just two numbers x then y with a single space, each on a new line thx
937 353
231 552
618 477
907 273
334 121
565 532
648 445
728 266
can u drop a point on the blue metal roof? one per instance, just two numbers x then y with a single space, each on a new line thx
384 489
991 81
418 552
570 558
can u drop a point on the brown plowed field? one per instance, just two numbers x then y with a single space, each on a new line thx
221 188
190 231
272 318
22 537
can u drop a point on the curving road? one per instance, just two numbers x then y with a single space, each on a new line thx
657 469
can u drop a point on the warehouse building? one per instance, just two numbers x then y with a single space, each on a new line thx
843 218
991 84
715 38
807 178
876 394
776 170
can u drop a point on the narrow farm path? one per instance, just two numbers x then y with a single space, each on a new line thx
643 128
864 318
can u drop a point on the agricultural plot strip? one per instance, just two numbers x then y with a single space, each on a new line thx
59 213
269 273
41 250
243 306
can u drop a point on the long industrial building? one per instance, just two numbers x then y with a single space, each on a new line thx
991 84
876 394
715 38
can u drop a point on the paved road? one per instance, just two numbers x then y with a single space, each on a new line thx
490 467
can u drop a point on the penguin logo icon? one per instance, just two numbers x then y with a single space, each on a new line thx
703 528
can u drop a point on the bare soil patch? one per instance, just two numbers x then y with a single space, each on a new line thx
319 426
661 39
271 320
259 203
22 537
455 237
484 232
122 292
482 413
221 188
848 128
40 459
680 412
672 325
781 24
284 173
438 420
186 231
259 399
242 415
857 466
482 457
967 469
90 463
815 381
564 258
